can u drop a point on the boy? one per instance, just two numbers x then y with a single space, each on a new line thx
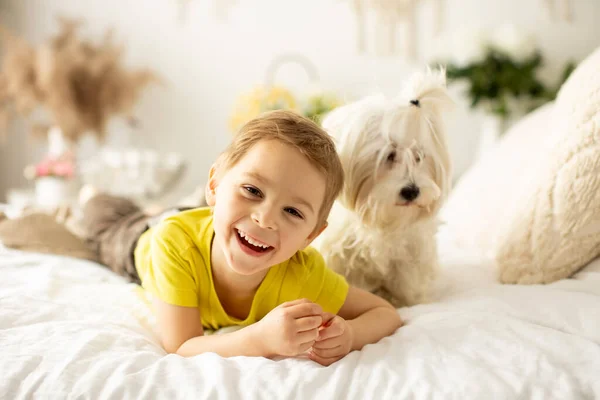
245 260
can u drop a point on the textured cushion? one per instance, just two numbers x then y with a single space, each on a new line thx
533 204
555 228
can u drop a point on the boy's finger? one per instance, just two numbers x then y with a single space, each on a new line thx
321 360
327 343
304 310
328 318
308 323
304 347
336 329
328 353
306 336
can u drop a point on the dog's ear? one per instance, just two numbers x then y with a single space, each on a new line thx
355 128
349 119
443 169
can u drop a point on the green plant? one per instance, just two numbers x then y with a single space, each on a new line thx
501 70
498 79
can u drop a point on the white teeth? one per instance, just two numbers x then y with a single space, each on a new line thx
252 242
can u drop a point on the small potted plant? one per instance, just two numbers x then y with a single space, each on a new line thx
54 175
78 84
500 70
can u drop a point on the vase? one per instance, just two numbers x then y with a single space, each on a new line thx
52 192
57 144
492 128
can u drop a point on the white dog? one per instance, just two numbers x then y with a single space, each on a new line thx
398 173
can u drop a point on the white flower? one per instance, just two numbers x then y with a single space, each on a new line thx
513 42
467 46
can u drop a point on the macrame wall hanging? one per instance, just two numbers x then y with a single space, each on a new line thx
388 17
560 9
384 21
221 8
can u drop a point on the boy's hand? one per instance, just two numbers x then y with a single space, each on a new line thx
290 329
334 340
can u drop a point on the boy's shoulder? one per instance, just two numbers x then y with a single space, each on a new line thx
195 224
192 218
308 258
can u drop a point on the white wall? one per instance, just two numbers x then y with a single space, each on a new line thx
207 62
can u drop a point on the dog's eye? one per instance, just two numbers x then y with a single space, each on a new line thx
418 158
392 156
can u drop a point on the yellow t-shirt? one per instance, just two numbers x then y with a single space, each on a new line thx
173 262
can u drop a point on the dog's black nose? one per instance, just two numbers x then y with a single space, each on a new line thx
410 192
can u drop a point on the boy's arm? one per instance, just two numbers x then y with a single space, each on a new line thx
289 329
181 333
370 317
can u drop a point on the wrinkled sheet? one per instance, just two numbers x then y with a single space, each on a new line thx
71 329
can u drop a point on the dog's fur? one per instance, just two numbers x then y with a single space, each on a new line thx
377 238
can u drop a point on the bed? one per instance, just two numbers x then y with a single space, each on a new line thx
69 328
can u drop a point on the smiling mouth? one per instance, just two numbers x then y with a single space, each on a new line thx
252 244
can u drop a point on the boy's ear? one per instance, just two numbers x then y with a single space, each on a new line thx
315 235
211 187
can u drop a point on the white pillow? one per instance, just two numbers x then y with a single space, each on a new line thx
534 204
485 196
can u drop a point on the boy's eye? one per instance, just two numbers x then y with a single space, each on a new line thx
293 212
253 191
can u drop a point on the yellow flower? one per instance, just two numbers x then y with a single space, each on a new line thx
320 104
259 100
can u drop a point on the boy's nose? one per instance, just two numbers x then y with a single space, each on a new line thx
264 218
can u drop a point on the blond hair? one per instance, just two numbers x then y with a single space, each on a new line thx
302 134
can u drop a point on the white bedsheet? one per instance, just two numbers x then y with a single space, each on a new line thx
70 329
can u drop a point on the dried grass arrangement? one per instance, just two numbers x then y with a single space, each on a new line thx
79 84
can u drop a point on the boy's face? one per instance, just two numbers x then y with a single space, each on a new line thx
266 207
